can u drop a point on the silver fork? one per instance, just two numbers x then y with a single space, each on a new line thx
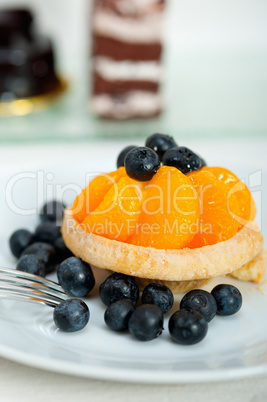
19 285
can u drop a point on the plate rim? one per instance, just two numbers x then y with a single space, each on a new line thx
167 377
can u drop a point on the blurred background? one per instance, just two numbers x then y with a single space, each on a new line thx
214 73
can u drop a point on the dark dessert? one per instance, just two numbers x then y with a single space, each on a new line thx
127 47
27 65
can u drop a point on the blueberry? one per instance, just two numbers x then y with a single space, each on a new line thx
47 232
159 295
61 249
33 264
76 277
52 211
146 322
119 286
201 301
117 315
19 240
71 315
228 299
44 250
123 153
160 143
141 163
183 159
187 327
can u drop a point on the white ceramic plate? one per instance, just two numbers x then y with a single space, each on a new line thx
234 347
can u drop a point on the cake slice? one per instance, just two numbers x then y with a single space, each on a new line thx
27 60
126 58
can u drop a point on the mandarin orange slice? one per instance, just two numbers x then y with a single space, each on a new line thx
169 211
90 198
116 216
241 191
218 211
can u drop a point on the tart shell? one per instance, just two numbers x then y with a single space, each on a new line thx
148 263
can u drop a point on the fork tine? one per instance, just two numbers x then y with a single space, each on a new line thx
20 285
26 284
13 291
26 298
25 275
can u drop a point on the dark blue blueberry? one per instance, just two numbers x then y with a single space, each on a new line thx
52 211
160 143
123 153
117 287
187 327
47 232
203 162
19 240
44 250
33 264
61 249
159 295
141 163
183 159
76 277
71 315
201 301
146 322
117 315
228 299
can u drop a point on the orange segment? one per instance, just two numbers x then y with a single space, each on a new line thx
241 191
90 198
169 211
217 210
117 215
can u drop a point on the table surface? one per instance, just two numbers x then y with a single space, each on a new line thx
22 383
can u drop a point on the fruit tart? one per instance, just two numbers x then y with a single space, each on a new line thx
165 217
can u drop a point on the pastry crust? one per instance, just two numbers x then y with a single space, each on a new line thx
175 286
254 270
164 265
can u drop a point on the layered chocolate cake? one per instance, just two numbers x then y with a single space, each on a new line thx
27 66
127 48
